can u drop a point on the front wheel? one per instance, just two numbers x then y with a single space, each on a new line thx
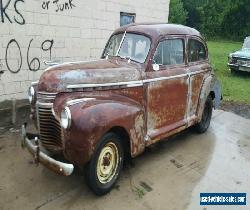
106 164
233 71
203 125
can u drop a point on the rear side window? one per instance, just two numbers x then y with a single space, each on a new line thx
170 52
196 51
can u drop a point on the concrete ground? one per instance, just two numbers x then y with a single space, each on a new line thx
170 176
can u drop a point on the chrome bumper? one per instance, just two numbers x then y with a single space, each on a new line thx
239 67
40 157
233 65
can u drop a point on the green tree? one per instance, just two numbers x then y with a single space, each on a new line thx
194 9
177 13
215 18
236 22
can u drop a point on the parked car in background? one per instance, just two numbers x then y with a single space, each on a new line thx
240 60
152 81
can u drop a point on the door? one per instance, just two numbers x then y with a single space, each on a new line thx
198 67
166 86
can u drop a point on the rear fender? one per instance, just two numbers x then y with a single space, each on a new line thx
210 86
205 91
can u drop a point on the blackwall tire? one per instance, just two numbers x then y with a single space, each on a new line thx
233 71
204 124
105 167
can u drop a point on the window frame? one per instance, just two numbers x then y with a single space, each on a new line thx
171 37
195 38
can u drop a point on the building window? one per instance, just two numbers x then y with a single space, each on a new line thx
127 18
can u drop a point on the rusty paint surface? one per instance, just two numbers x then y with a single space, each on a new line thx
148 112
196 82
92 119
57 78
166 101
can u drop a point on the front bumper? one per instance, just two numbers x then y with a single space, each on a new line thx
41 157
239 67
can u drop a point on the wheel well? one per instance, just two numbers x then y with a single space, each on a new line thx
212 94
123 134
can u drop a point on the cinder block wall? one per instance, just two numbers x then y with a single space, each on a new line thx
32 31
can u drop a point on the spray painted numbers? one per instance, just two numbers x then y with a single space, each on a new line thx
58 5
5 10
34 63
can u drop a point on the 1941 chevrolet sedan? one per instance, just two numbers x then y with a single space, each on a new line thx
152 81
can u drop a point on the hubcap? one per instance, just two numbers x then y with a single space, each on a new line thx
107 163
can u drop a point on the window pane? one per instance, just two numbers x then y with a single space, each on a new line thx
135 47
126 18
170 52
196 51
246 43
113 45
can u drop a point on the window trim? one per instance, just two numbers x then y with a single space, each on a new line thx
187 49
169 37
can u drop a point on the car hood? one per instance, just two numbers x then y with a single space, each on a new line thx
56 79
245 53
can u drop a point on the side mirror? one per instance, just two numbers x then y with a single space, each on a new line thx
156 67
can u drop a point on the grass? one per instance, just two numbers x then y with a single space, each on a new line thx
236 87
139 192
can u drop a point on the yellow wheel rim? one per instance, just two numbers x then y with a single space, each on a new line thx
107 163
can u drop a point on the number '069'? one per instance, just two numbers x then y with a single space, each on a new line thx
34 63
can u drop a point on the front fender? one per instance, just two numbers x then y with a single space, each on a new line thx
92 119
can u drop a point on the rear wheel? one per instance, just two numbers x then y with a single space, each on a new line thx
106 164
203 125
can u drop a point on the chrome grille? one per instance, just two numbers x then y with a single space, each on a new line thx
46 97
49 128
243 62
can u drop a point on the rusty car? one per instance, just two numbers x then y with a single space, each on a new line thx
240 60
152 81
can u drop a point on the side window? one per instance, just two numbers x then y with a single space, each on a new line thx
196 51
170 52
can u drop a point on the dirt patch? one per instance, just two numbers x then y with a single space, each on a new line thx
238 108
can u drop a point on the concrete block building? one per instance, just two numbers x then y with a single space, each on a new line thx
34 31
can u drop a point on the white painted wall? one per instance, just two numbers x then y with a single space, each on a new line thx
77 33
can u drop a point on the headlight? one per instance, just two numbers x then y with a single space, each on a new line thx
31 93
230 58
66 118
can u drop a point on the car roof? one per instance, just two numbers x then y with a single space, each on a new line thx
157 29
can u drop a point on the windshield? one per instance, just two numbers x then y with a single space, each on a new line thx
246 44
128 45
